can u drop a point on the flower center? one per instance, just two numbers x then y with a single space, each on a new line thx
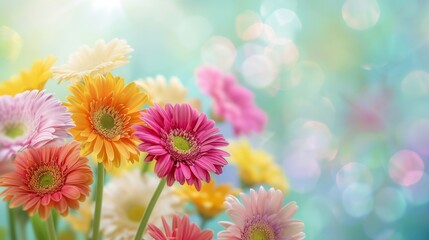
45 179
181 144
108 122
135 212
14 130
258 230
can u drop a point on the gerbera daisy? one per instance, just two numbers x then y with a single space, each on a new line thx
48 177
184 143
162 91
101 59
31 119
33 79
181 229
232 101
256 166
209 200
127 197
261 216
104 111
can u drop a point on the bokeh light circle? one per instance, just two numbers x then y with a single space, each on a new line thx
418 194
259 70
390 204
302 169
361 14
10 43
415 84
357 200
417 136
353 173
284 22
219 51
283 51
406 167
269 6
248 25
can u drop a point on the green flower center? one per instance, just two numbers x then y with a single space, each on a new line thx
107 121
46 179
181 143
258 235
135 212
14 130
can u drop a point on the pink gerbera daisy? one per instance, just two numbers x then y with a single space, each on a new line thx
184 143
231 101
31 119
181 229
261 216
46 177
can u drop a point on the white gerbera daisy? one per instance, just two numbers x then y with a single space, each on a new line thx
125 199
161 91
101 59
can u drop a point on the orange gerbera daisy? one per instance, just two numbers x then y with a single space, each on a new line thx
104 111
46 177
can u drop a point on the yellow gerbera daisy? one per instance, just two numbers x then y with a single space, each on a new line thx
256 166
35 78
80 221
104 111
209 201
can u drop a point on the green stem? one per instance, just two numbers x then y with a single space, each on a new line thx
149 209
12 228
204 221
145 167
51 228
98 202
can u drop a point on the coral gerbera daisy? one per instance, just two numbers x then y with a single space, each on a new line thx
31 119
231 101
209 200
261 216
121 216
184 143
33 79
104 110
101 59
181 229
162 91
255 166
48 177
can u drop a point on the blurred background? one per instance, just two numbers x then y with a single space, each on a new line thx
345 85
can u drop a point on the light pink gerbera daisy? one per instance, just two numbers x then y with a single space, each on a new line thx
31 119
184 143
261 216
47 177
231 101
181 229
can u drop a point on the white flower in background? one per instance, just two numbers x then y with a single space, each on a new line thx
103 58
162 91
126 198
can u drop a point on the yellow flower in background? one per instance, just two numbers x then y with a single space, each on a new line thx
98 60
104 110
80 220
256 166
127 167
34 78
209 201
162 91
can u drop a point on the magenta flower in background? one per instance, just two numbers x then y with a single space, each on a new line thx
231 101
184 143
261 216
181 229
31 119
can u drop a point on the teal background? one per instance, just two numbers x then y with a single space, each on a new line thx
338 111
